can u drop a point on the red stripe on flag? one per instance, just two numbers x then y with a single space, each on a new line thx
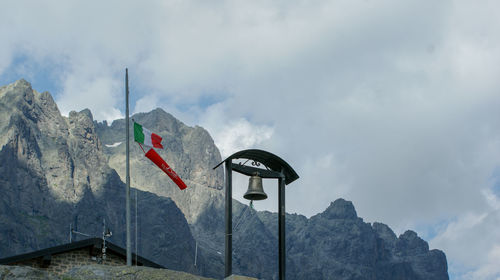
155 157
156 140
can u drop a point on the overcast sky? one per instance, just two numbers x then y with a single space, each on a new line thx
394 105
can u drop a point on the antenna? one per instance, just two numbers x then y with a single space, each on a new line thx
105 233
71 230
81 233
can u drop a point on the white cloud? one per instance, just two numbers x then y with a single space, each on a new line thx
490 269
472 243
232 135
240 135
99 94
146 104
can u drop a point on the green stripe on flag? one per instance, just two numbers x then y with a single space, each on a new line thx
138 134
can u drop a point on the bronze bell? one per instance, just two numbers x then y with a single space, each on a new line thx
255 190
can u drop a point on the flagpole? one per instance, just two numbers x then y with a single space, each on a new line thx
127 189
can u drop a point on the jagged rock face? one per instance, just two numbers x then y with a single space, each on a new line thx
342 237
60 150
53 172
190 151
336 244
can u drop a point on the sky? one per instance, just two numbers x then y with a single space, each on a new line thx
391 104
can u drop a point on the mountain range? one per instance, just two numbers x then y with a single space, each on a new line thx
57 171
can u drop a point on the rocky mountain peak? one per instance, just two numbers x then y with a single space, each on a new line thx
85 113
20 86
385 233
81 125
161 120
410 242
22 82
340 209
20 96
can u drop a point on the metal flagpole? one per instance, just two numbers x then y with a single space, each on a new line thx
136 228
127 190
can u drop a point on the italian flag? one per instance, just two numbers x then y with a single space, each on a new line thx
146 137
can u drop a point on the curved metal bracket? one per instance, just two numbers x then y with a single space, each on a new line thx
249 171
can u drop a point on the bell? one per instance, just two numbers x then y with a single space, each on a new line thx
255 190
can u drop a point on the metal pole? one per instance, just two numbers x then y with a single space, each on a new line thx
281 227
229 221
127 190
136 229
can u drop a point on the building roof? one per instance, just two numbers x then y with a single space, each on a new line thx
91 242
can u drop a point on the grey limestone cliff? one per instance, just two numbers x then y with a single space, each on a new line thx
337 244
190 151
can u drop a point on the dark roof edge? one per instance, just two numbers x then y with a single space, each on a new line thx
77 245
52 250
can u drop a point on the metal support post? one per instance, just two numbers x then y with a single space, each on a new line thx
281 227
229 223
127 188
